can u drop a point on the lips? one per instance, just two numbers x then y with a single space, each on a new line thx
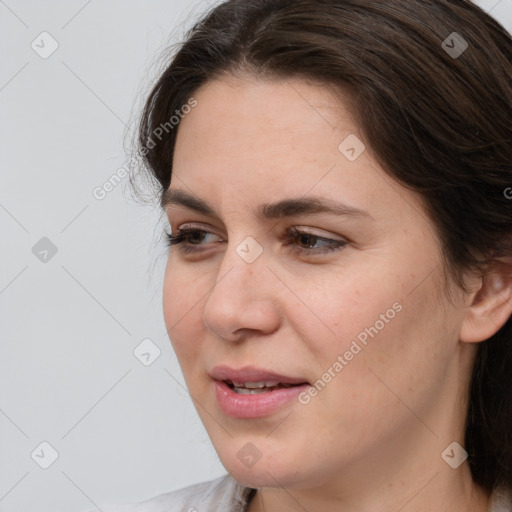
253 393
249 374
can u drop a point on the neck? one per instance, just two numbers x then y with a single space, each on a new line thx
440 492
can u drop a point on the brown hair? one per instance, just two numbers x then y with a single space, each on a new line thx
437 116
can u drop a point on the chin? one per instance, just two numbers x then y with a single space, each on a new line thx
259 477
268 471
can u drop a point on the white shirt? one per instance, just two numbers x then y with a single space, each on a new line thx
226 495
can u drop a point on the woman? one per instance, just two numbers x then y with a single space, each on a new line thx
336 175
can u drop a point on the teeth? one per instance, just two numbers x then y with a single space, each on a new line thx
244 391
255 388
256 385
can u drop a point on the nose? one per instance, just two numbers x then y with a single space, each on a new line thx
242 301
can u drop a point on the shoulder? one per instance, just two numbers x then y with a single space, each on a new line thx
222 494
501 500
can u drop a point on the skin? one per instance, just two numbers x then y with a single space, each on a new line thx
372 439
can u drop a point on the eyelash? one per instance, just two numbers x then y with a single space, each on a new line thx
182 236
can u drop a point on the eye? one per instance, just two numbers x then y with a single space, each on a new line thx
304 242
187 237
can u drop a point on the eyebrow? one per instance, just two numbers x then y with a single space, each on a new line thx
284 208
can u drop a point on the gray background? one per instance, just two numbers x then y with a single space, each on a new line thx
70 321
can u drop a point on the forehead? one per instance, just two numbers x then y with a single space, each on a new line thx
251 142
240 127
233 105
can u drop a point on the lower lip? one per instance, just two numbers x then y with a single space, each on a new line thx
237 405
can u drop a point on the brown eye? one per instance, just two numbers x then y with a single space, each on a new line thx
304 242
307 240
195 237
188 238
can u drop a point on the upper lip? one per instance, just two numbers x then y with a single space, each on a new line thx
252 374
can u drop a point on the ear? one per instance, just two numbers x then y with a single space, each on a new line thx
491 305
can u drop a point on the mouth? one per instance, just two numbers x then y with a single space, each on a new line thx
256 388
253 393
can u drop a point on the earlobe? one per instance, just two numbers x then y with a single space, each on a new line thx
490 308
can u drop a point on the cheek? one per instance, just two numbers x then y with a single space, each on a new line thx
391 344
335 312
182 311
375 324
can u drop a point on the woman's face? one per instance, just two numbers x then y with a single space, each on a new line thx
348 311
